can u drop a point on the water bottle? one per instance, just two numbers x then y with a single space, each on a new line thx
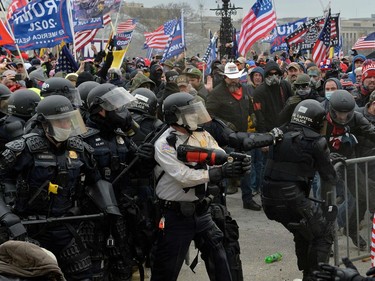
273 258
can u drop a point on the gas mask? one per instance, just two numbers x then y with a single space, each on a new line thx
119 118
315 83
303 93
272 80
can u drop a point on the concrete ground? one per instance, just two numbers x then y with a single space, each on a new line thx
260 237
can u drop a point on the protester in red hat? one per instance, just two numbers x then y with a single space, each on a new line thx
368 82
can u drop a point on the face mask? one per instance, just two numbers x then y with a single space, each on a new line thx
328 95
272 80
191 120
120 118
61 134
315 83
303 93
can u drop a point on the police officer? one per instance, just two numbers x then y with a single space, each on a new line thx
63 87
110 123
5 93
181 189
84 89
21 107
288 175
44 175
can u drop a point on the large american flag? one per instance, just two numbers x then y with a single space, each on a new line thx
365 42
256 24
126 26
322 44
158 39
84 37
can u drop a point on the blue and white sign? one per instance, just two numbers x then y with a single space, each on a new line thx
42 24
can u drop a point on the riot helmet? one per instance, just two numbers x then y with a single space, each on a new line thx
84 89
22 103
181 109
114 100
59 118
341 107
146 101
5 93
309 113
63 87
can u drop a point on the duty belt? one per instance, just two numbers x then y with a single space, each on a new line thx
173 205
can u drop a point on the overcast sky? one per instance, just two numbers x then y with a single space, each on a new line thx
288 8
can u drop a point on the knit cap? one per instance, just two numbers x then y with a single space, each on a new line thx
368 69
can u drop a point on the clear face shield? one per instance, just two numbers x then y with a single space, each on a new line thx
4 105
341 118
65 125
193 115
74 97
116 99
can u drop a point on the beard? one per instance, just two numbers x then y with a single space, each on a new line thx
233 86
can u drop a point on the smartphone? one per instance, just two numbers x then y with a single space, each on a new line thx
18 77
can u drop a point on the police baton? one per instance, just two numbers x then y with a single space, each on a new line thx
136 158
61 219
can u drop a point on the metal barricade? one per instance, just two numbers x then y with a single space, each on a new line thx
363 188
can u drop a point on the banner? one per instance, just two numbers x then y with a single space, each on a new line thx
176 43
42 24
279 33
210 54
123 39
305 36
85 9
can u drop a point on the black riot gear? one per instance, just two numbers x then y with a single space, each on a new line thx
84 89
22 103
309 113
341 107
5 93
146 101
63 87
171 105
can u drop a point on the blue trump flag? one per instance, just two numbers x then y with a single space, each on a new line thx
176 42
42 24
210 55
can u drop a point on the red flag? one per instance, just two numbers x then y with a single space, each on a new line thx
373 242
5 37
256 24
322 44
126 26
16 4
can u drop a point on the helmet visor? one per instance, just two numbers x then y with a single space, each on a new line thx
71 121
197 109
116 98
74 97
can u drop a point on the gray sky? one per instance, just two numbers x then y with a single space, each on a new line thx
288 8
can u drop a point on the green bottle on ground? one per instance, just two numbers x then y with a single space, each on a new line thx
273 258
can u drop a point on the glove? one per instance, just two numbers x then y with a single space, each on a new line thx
336 157
16 229
146 151
293 100
371 271
233 169
330 272
277 135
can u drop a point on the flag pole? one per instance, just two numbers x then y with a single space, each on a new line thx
12 34
117 16
70 15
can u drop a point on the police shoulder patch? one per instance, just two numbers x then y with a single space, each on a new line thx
75 143
16 145
90 132
36 143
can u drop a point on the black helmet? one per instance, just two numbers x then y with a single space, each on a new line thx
84 89
341 107
181 109
309 113
59 118
22 103
109 97
63 87
146 101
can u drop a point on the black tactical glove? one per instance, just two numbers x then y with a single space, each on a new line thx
336 157
146 151
330 272
277 135
16 229
233 169
371 271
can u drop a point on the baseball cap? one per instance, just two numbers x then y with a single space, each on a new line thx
182 80
241 60
294 65
195 72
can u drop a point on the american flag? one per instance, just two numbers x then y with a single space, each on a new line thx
158 39
66 62
322 44
84 37
365 42
256 24
373 242
126 26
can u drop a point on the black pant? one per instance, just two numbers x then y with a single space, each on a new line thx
174 241
313 234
